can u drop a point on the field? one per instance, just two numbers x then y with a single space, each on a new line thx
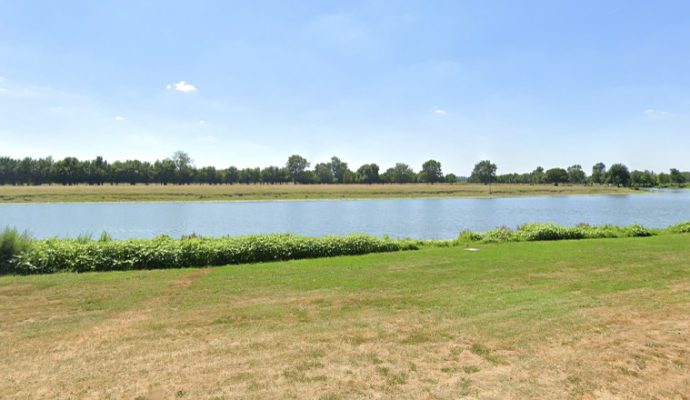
82 193
590 319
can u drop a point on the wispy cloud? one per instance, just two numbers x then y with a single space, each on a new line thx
202 122
182 86
440 111
656 114
120 118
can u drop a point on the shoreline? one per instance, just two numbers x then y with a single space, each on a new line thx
234 193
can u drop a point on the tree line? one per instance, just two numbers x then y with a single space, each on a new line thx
180 169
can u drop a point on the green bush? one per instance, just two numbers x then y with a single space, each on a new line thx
12 245
532 232
81 255
680 228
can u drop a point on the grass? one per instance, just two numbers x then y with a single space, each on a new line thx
85 193
601 318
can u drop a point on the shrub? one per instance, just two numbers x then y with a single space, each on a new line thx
55 255
680 228
498 235
532 232
12 244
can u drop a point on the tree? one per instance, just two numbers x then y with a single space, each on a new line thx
556 176
324 172
618 175
339 169
296 166
231 175
431 172
183 166
272 175
537 176
400 173
451 178
368 173
676 176
576 174
483 172
599 173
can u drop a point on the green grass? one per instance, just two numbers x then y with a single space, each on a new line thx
566 319
85 193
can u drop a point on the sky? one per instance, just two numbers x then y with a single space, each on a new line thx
248 83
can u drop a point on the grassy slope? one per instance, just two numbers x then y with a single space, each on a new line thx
33 194
571 319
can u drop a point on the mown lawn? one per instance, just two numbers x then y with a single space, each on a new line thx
586 319
86 193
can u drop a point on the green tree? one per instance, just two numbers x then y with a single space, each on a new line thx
400 173
484 172
339 169
676 176
618 175
537 176
599 173
368 173
431 172
556 176
576 174
324 172
297 166
451 178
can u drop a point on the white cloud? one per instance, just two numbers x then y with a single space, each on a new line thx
202 122
182 86
119 118
440 111
656 114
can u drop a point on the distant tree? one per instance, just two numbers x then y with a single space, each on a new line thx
598 173
537 176
400 173
576 174
451 178
163 171
339 169
483 172
676 177
272 175
431 172
368 173
231 175
556 176
297 166
209 175
618 175
663 179
324 172
183 166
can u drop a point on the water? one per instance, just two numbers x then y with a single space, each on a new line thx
415 218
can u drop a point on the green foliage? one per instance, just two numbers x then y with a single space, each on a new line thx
543 232
84 255
680 228
12 245
484 172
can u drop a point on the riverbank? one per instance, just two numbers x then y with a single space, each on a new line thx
21 254
122 193
531 320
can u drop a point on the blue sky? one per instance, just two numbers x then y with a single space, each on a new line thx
529 83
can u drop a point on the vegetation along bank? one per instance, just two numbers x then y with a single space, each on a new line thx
20 254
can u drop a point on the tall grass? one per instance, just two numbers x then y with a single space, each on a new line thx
19 254
84 254
12 244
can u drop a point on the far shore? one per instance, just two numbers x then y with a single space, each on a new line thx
156 192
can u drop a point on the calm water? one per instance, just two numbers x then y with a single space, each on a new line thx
416 218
